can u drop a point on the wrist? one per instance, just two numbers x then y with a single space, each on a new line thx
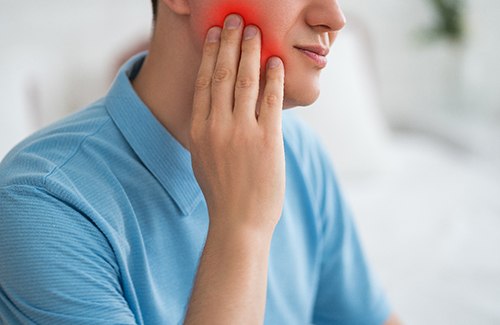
240 236
253 223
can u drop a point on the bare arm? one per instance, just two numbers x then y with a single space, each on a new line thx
238 160
231 281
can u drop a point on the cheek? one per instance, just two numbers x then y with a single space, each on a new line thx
256 13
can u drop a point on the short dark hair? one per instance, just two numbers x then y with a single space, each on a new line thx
155 5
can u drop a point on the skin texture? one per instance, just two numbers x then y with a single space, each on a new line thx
280 33
220 102
213 13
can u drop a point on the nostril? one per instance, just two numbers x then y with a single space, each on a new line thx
326 17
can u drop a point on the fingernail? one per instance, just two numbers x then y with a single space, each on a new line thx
250 32
233 22
274 62
213 35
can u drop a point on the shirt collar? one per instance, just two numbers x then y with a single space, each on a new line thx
160 152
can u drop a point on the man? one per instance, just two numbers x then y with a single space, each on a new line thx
165 202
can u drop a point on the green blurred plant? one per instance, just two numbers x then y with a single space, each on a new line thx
449 23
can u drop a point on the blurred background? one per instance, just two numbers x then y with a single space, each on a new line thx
409 111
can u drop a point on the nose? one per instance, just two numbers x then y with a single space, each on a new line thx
325 15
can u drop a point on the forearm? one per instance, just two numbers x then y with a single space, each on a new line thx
230 286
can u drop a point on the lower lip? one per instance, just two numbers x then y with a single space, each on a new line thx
318 59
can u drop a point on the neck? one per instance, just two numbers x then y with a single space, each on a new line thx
166 80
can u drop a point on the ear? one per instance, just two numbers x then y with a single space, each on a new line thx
180 7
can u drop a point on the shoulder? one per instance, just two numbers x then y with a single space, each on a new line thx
56 146
56 176
70 161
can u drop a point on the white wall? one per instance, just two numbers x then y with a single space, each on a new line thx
415 76
56 55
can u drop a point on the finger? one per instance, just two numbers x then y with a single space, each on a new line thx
225 69
272 99
201 101
247 81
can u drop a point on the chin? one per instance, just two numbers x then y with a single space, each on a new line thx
301 95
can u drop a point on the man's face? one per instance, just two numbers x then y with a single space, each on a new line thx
286 25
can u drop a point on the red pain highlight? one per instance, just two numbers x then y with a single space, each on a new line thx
252 15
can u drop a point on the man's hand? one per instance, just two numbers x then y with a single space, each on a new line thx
237 154
238 160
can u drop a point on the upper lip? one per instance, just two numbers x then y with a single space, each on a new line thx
318 49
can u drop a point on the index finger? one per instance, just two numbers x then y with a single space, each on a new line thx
202 98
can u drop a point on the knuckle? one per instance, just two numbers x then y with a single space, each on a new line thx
211 125
245 82
214 128
221 74
229 37
271 99
202 83
211 49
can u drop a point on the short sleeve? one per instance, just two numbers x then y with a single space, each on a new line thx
347 291
56 266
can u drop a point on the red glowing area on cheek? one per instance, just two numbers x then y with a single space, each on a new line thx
252 15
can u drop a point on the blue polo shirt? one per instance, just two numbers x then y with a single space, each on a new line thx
102 222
